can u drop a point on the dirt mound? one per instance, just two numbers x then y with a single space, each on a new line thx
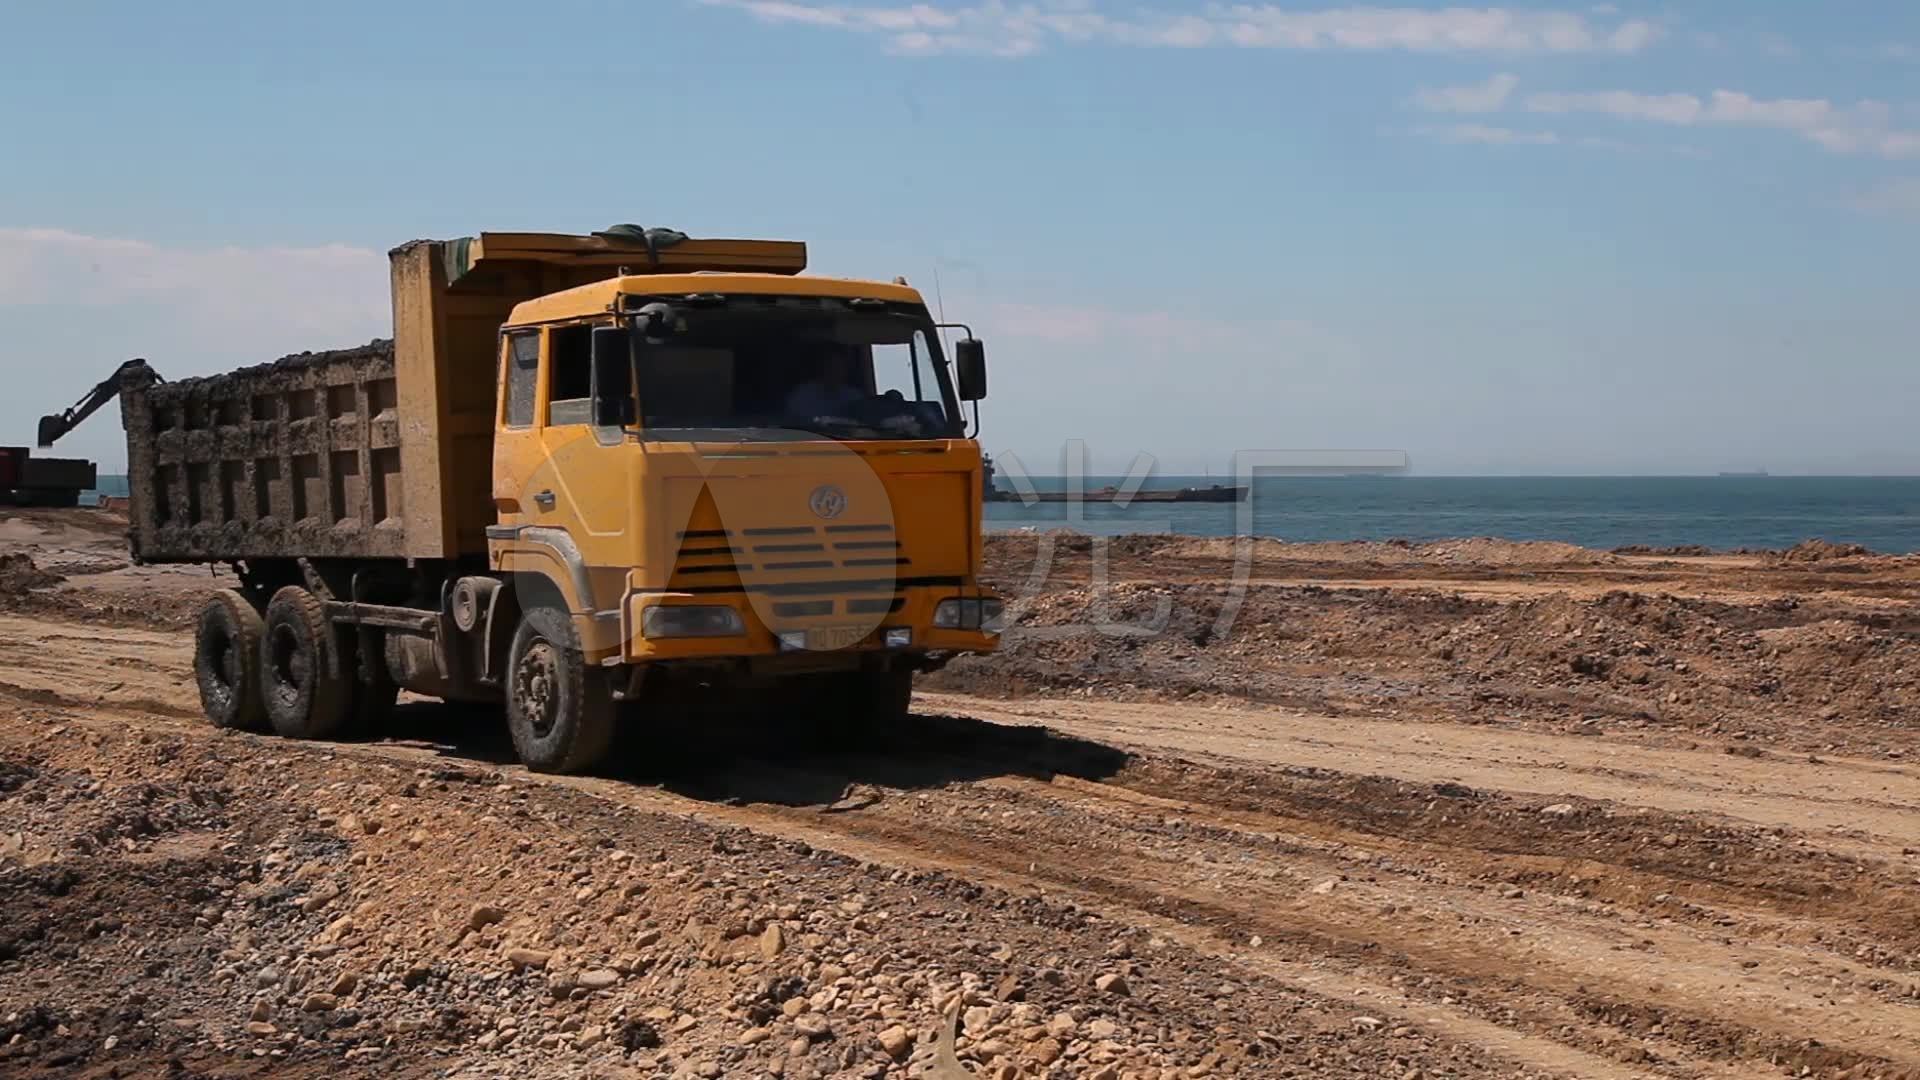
76 527
1795 673
1674 551
83 565
1068 542
1472 551
170 610
19 574
1808 551
1492 552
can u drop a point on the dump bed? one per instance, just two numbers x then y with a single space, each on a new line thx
383 451
297 457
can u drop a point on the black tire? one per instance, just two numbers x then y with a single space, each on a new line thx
226 662
859 708
305 682
882 699
364 650
559 712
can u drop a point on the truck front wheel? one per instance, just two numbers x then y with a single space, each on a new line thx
560 712
305 684
226 661
862 709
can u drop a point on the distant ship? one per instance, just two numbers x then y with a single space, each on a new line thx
1111 494
1755 472
1209 493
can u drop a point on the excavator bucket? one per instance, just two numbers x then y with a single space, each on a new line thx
132 373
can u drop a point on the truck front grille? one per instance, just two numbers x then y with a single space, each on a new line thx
818 571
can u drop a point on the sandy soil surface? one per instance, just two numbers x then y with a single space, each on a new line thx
1459 810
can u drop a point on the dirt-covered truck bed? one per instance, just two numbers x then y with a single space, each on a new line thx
299 457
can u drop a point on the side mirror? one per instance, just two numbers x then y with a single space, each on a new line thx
656 321
612 376
970 368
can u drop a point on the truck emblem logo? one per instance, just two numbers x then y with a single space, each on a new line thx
827 501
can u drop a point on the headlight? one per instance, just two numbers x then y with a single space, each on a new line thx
993 616
691 620
966 613
955 614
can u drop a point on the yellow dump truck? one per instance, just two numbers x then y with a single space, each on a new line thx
585 471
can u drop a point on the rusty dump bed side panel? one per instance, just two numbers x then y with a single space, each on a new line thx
300 457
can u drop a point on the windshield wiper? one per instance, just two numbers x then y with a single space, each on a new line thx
715 432
857 430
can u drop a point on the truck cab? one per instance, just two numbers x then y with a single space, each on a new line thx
743 478
737 465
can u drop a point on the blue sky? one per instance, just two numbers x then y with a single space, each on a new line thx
1535 238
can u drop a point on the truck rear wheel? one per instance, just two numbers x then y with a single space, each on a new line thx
559 712
306 686
226 662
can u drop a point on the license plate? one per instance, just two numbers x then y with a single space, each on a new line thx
827 638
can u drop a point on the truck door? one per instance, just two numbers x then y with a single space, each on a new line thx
516 448
584 474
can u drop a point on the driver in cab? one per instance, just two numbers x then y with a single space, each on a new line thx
830 392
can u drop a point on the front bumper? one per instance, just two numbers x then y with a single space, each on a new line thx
826 624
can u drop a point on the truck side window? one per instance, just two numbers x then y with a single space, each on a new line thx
907 368
570 376
523 365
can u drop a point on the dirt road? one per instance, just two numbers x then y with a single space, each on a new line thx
1481 811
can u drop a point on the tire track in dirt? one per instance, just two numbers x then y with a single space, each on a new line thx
1872 807
1468 938
57 662
1584 889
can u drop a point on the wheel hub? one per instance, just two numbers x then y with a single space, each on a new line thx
537 686
227 664
223 666
290 663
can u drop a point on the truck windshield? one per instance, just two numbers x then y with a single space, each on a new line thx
772 367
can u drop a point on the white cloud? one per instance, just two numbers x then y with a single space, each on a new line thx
1495 135
1865 127
1000 28
1895 198
279 297
208 308
1487 134
1666 108
1489 96
77 304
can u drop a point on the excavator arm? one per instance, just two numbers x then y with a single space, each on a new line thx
132 372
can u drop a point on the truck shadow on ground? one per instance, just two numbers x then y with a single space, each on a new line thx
741 757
